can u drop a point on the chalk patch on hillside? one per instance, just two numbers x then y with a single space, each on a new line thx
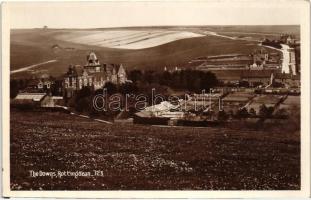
125 39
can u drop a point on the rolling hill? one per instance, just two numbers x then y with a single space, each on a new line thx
33 46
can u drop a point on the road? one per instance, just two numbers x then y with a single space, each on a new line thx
228 37
285 57
32 66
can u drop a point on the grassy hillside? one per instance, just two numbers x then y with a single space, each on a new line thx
37 45
272 29
135 157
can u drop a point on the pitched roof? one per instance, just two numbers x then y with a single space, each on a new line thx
31 96
287 76
257 74
92 59
144 113
28 98
98 75
110 67
33 82
75 70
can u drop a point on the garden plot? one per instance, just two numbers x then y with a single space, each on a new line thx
268 100
233 102
126 39
238 97
290 101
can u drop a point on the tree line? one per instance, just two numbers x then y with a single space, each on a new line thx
191 80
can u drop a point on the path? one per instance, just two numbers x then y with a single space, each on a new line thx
32 66
229 37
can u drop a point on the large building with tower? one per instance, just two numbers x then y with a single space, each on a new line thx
92 74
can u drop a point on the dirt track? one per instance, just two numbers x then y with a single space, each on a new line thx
32 66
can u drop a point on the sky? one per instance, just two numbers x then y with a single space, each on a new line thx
139 13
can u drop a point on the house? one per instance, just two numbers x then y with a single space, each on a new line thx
52 101
255 66
43 83
267 77
256 76
28 100
158 114
289 80
93 74
260 56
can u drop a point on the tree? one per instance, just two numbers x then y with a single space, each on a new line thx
165 78
270 111
231 113
277 84
14 88
56 88
83 105
149 77
252 112
282 112
84 92
128 88
82 99
222 115
242 113
208 80
265 111
244 84
257 84
135 75
111 88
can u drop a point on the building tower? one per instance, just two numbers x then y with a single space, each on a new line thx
92 64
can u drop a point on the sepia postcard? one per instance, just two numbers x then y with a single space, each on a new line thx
156 99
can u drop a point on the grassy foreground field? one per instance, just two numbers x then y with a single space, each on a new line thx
133 157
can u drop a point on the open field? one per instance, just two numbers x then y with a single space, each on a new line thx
266 30
44 46
168 46
147 157
268 100
242 97
234 101
126 39
291 101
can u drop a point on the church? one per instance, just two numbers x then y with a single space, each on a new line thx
93 74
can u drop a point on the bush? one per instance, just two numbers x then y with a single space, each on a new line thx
252 112
222 115
14 88
191 80
128 88
111 88
84 92
282 113
83 105
242 113
265 111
